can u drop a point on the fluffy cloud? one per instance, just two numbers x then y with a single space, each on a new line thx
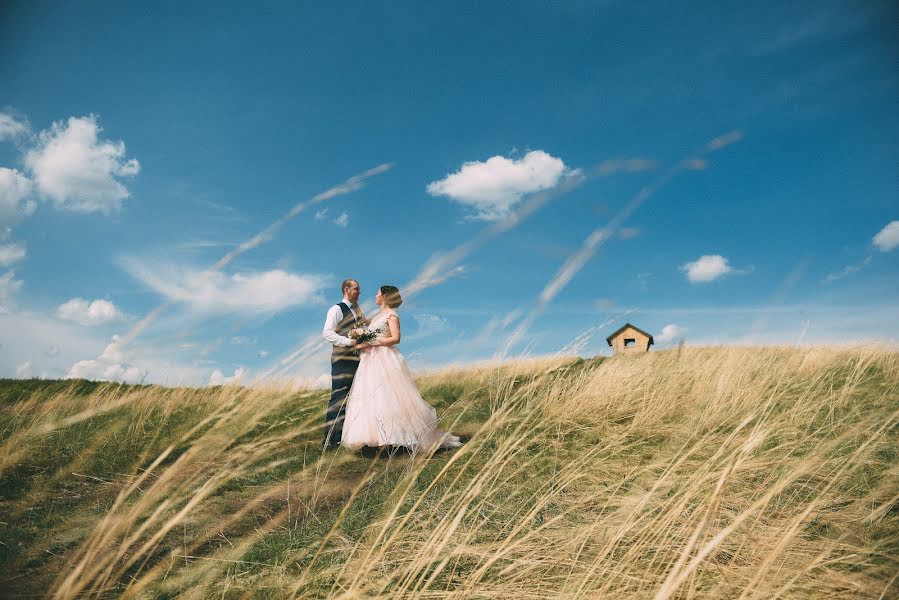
111 365
77 170
888 237
57 349
14 189
706 268
669 333
150 361
10 254
11 128
493 187
84 312
49 344
214 292
219 378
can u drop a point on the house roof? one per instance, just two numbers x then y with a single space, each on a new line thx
625 326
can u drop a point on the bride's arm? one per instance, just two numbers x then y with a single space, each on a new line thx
394 337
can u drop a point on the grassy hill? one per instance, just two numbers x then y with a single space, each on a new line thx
710 472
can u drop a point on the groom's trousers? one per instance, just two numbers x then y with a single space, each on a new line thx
343 369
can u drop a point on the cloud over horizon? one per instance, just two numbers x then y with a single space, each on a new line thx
216 293
219 378
669 333
111 365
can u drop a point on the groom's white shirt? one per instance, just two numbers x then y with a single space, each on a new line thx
331 322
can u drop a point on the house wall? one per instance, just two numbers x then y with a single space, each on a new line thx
641 344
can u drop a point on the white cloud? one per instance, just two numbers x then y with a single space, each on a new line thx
262 354
219 378
11 128
50 344
58 347
14 189
669 333
888 237
626 233
9 285
493 187
321 214
84 312
343 220
98 371
214 292
23 371
77 170
111 365
155 361
706 268
10 254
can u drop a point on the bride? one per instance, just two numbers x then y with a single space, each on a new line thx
384 407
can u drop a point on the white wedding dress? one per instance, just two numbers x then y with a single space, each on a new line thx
384 407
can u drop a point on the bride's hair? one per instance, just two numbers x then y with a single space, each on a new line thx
392 295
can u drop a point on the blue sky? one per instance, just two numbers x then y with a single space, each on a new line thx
532 174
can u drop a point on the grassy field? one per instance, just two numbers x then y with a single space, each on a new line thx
709 472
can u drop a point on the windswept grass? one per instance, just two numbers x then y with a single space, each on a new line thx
710 472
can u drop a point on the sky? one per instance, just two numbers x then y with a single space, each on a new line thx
184 187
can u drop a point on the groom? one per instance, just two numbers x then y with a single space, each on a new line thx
342 317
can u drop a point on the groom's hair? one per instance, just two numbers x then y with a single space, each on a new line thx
392 294
346 283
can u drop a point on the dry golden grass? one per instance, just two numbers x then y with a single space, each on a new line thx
705 473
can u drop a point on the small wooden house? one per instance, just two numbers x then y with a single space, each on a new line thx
630 340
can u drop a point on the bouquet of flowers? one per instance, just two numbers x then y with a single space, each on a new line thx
364 335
